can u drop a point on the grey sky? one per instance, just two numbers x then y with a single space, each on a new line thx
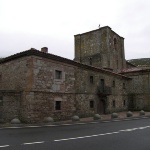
53 23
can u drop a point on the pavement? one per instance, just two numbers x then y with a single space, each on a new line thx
104 118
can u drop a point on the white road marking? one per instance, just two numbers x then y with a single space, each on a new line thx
32 126
12 127
93 122
106 121
116 120
67 124
80 123
4 146
50 125
82 137
89 136
33 143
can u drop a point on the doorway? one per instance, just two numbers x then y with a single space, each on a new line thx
101 106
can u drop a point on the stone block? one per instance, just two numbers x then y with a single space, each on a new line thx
75 118
15 121
142 113
114 115
97 117
48 119
129 114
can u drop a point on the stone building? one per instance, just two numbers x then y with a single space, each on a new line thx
35 84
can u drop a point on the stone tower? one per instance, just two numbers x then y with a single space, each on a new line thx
101 48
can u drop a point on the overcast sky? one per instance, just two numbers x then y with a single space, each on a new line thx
53 24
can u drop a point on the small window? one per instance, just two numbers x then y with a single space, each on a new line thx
1 100
90 59
91 79
124 102
113 84
57 105
115 41
91 104
114 103
58 74
0 77
124 86
117 64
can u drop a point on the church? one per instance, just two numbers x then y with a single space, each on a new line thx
35 84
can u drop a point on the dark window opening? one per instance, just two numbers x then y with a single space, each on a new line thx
57 105
91 104
102 85
114 84
124 103
0 77
90 59
114 103
1 100
124 86
117 64
58 74
91 79
115 43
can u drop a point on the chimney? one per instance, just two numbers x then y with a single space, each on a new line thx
44 49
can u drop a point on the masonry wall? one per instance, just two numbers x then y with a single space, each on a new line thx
9 105
15 77
140 90
86 92
100 48
46 89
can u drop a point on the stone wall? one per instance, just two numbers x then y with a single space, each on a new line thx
100 48
9 105
86 91
139 90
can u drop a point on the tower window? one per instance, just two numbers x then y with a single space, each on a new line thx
58 74
113 84
115 43
90 59
91 79
124 86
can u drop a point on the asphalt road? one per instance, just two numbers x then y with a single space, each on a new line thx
119 135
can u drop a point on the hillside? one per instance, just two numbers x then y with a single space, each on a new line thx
141 61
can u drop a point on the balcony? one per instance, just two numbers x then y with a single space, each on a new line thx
104 91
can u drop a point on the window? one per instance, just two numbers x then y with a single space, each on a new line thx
91 79
91 104
1 100
124 102
0 77
113 84
114 103
90 59
58 74
124 86
115 43
57 105
117 64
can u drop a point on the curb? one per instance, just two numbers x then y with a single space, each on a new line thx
69 123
